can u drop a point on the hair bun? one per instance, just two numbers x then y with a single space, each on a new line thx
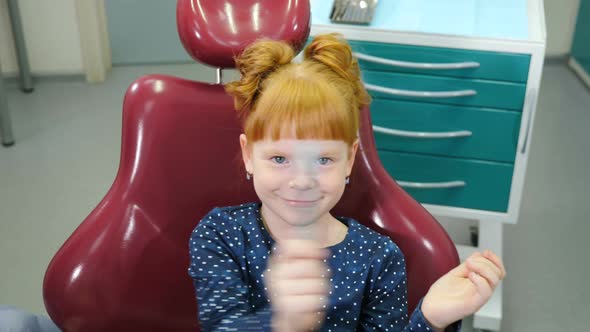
255 63
333 51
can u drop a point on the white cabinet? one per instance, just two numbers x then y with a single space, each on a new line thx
454 97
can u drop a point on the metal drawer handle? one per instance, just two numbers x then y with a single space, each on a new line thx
421 94
417 134
432 185
416 65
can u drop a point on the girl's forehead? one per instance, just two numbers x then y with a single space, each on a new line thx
301 145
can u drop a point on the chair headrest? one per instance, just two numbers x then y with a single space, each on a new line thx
214 31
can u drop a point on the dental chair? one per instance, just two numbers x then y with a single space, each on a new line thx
125 267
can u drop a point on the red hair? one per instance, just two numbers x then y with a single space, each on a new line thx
319 98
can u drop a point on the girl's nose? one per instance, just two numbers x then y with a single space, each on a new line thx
302 182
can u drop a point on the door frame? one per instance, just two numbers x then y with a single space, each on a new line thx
94 39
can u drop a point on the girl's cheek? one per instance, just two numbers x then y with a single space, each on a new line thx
274 176
335 180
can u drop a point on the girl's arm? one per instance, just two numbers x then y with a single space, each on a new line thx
221 285
386 307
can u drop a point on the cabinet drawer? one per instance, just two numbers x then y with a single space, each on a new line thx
445 90
445 130
442 61
486 184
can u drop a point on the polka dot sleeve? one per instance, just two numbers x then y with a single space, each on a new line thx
386 306
418 318
220 283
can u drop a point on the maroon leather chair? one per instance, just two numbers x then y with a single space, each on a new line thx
125 267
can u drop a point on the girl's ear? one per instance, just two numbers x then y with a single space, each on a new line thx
246 153
352 156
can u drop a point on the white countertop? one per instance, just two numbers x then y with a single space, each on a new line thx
518 20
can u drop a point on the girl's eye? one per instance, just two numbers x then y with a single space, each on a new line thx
324 160
278 159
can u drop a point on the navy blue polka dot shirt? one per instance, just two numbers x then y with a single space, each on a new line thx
229 250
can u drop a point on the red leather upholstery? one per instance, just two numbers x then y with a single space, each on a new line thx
213 32
125 267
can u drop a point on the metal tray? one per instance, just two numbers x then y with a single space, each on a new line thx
353 11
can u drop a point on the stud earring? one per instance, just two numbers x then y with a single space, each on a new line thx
249 176
347 180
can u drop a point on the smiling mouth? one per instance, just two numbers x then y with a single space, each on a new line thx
300 202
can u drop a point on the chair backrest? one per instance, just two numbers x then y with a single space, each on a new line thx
125 267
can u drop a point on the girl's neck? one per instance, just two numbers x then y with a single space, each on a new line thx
326 232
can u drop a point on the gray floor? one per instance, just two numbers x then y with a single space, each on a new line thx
67 152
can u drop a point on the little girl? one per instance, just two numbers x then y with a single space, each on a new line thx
285 263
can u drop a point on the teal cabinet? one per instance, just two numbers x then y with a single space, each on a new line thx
447 121
453 91
466 183
471 63
581 44
455 86
446 130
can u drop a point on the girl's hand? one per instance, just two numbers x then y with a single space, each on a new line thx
463 290
298 284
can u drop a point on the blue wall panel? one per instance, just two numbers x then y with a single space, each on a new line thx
144 31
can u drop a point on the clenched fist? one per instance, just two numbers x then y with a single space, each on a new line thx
298 285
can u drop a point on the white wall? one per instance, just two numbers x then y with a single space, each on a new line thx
51 34
561 19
